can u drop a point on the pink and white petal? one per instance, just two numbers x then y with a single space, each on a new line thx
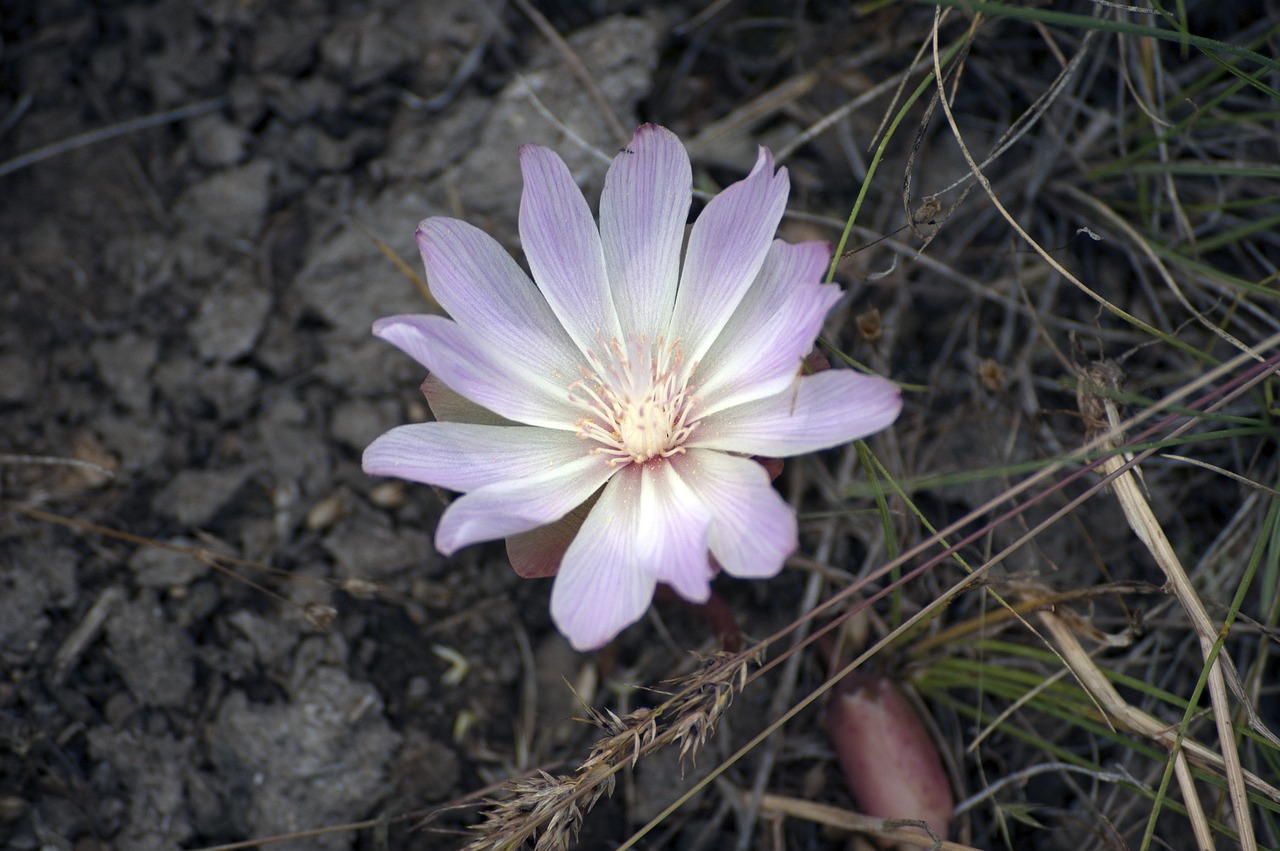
753 529
643 210
671 533
507 508
463 457
471 367
488 294
599 591
537 554
449 406
817 412
562 244
759 352
727 246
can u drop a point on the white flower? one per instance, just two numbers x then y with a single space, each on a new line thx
604 419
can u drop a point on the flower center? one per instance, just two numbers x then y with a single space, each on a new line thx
636 399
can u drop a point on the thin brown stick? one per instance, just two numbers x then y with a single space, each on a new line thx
579 70
825 814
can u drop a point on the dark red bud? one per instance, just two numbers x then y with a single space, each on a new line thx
888 757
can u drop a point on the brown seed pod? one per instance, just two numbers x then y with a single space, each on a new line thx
992 375
869 325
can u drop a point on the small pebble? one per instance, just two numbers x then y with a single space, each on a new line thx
361 589
326 512
320 615
390 494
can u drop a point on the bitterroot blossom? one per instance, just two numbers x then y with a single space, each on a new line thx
604 419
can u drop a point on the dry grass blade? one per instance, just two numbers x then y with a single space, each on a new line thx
1127 716
1136 239
1101 414
1222 471
1102 692
115 131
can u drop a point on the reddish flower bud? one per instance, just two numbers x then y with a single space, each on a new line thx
888 757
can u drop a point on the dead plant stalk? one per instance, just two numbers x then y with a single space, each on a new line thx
1102 415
